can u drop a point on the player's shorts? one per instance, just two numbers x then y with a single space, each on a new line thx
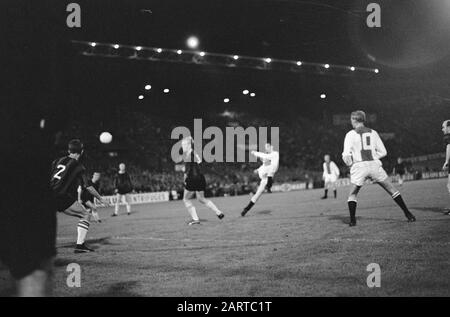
330 178
401 172
362 171
264 171
76 210
196 184
123 191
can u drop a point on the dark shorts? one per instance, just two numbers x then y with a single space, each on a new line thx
27 234
196 184
401 172
124 191
64 202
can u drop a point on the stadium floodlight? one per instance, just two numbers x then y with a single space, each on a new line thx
226 100
159 50
376 70
327 66
299 63
352 68
202 53
252 94
166 91
179 52
116 46
235 57
323 96
93 44
141 97
268 60
245 92
192 42
148 87
138 48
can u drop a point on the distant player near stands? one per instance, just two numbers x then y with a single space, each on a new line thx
123 187
363 150
67 175
400 171
330 176
267 170
195 183
446 131
87 199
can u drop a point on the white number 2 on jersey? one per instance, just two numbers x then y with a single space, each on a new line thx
61 168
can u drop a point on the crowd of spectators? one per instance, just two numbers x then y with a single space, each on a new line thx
144 144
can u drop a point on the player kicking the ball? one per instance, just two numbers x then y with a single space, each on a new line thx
363 150
195 183
446 131
266 171
330 176
67 175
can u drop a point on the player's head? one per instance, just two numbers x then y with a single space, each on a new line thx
96 176
122 167
268 147
399 160
75 148
446 127
326 158
358 118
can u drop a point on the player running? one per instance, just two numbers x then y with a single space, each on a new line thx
87 199
446 131
195 183
67 175
399 171
330 176
363 150
267 170
123 188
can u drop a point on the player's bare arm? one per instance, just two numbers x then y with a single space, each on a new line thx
447 158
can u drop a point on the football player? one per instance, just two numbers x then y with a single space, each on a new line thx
363 150
67 175
195 183
400 171
446 131
123 188
265 172
330 176
87 199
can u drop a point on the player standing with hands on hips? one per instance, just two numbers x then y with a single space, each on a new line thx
363 150
330 176
123 187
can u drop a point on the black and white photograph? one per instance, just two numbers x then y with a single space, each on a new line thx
226 154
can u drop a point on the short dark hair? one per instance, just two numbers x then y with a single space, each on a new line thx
75 146
359 116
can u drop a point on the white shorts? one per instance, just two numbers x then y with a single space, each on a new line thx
362 171
263 171
330 178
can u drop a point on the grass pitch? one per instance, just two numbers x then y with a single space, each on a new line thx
290 244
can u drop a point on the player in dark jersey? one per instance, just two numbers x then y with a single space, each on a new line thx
400 171
195 183
123 187
67 175
87 199
446 131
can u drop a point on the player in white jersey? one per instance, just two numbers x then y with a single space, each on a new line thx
363 150
330 176
265 172
445 167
